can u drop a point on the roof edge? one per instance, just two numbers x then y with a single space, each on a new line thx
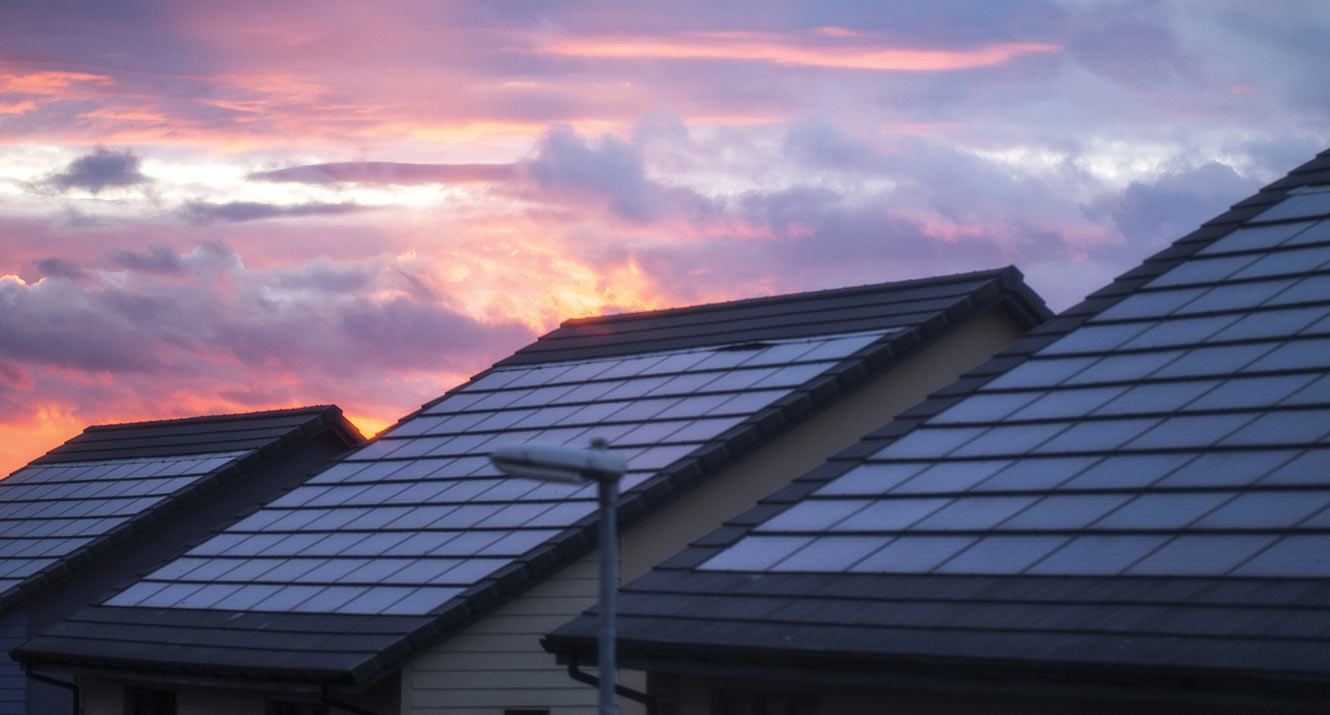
329 417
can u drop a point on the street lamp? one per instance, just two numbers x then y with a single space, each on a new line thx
571 465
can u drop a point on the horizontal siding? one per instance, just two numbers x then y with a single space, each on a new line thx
458 661
498 663
13 683
545 678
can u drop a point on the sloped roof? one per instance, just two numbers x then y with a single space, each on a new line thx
415 535
1140 485
109 483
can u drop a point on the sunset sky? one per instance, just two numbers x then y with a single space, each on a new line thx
222 207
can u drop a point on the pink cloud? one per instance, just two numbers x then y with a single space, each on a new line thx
792 50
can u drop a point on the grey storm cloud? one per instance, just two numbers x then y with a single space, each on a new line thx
100 170
566 168
203 212
55 267
388 172
610 171
315 316
157 259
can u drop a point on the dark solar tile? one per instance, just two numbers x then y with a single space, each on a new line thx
1010 439
1163 510
1127 471
831 553
870 479
1318 233
1201 271
1286 262
1294 556
813 514
1124 367
974 513
1266 510
1307 468
1251 392
946 477
1254 238
929 442
1180 332
1040 373
1096 435
1061 512
1069 402
912 554
1236 296
1200 555
1271 323
1095 338
1190 431
755 553
1151 304
985 407
890 514
1097 555
1226 469
1001 554
1297 206
1291 427
1217 360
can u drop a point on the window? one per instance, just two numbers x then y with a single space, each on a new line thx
149 701
730 702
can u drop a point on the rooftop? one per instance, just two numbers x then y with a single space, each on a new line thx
415 535
1138 486
98 489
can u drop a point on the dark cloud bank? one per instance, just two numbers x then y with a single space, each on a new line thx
100 170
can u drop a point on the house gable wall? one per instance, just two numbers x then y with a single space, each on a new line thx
497 663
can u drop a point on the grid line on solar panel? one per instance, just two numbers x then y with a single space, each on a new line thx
424 496
51 510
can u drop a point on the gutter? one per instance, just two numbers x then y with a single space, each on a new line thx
330 701
73 688
621 690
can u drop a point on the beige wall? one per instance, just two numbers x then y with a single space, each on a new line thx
498 663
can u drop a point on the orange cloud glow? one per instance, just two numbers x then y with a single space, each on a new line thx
47 83
17 107
782 50
48 427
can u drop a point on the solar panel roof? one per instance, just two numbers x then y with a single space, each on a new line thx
1089 496
415 534
95 489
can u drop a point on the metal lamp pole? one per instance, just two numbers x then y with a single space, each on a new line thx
579 466
608 492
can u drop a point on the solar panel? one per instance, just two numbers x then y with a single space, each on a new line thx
422 507
50 510
1177 432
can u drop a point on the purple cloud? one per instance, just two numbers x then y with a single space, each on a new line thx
316 323
388 172
157 259
102 169
202 212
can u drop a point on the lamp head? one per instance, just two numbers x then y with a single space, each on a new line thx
552 463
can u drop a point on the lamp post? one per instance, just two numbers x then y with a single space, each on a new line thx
571 465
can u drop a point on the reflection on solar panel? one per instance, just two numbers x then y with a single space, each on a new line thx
48 511
1152 440
419 515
